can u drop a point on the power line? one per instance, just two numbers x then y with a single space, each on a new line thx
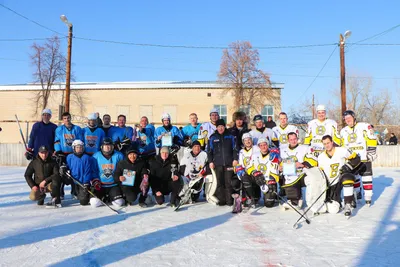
379 34
28 19
25 39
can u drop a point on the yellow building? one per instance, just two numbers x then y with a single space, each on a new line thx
133 99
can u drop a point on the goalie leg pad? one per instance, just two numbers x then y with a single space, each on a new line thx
315 182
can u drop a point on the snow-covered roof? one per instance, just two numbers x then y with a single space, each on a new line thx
126 85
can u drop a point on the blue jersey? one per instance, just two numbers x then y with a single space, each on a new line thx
147 145
82 168
105 167
120 133
93 137
64 138
42 134
177 138
191 132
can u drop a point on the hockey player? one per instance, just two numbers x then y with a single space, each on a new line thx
106 124
338 164
239 128
262 132
360 138
193 166
41 175
42 134
106 163
281 131
208 128
82 168
92 135
300 157
164 177
122 135
318 128
145 138
190 132
171 133
222 155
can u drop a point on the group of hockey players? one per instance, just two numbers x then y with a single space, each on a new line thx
236 166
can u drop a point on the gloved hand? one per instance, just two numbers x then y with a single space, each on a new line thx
239 170
187 142
371 153
274 156
174 149
63 170
144 184
96 184
29 153
124 143
258 177
346 168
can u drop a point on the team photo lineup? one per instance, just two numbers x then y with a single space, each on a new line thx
253 163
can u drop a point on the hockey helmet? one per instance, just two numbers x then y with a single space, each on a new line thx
214 110
257 117
107 141
262 140
349 112
247 135
165 116
76 143
321 108
92 116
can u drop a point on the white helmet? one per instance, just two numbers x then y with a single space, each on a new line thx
46 111
165 116
262 140
247 135
214 110
321 108
92 116
77 142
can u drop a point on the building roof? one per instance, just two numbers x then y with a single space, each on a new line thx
126 85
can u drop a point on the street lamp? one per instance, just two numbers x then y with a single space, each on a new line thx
68 71
342 69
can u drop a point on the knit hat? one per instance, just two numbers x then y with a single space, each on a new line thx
220 122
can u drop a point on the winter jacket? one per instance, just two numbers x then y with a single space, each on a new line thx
161 172
238 133
39 170
221 149
139 166
42 135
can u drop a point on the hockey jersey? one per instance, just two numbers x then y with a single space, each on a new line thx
263 164
331 165
105 167
173 131
267 133
301 153
191 132
316 130
194 165
121 133
280 134
206 130
92 138
64 138
247 156
83 168
358 138
145 138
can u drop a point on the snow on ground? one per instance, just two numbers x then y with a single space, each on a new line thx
198 235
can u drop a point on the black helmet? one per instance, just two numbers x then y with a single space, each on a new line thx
107 141
349 112
257 117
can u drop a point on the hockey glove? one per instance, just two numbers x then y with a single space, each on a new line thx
29 153
239 170
346 168
371 153
187 142
272 187
96 184
274 156
144 184
258 177
124 143
63 170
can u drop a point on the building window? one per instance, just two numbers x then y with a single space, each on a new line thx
146 110
222 112
268 110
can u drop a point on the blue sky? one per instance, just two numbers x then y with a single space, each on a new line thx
209 23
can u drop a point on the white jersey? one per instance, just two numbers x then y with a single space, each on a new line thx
263 164
267 134
206 130
331 165
281 134
358 138
246 157
194 164
317 129
300 153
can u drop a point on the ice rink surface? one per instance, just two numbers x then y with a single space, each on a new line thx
198 235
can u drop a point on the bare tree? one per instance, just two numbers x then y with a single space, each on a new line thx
49 64
248 85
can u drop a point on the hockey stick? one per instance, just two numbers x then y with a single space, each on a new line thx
290 205
90 192
315 201
20 131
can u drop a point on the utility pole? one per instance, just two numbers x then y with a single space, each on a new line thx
313 107
342 40
68 70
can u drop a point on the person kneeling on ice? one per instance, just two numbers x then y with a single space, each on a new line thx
339 165
164 177
82 168
107 160
193 169
42 176
132 175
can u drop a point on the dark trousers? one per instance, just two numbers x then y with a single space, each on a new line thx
55 188
131 193
166 187
109 193
251 187
224 185
83 195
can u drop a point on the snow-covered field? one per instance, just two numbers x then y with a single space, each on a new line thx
198 235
